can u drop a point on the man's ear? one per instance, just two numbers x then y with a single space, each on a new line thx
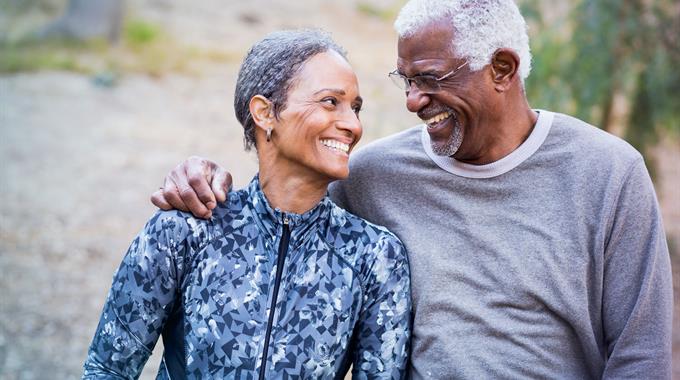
262 111
504 66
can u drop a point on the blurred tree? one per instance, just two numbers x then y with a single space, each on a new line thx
612 63
87 19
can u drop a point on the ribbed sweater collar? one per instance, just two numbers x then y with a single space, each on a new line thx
502 166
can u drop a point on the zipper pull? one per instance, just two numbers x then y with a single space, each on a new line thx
285 219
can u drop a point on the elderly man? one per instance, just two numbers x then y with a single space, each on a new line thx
535 240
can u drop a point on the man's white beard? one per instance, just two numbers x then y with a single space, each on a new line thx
450 147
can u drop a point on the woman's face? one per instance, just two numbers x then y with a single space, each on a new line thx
320 124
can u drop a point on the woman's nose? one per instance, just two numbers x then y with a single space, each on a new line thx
351 123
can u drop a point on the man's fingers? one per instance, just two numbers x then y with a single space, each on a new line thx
159 201
198 177
171 194
196 185
221 183
189 197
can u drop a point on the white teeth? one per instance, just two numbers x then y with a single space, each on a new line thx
437 118
336 145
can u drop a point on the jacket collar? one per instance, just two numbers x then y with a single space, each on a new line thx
271 220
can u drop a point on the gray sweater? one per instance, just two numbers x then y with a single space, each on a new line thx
549 263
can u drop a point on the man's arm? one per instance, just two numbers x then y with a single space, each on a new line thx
382 341
195 185
140 300
638 291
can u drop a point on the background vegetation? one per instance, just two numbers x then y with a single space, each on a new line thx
90 125
612 63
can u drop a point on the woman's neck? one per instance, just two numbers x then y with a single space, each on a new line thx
291 190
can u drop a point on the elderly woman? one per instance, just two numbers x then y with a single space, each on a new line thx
280 282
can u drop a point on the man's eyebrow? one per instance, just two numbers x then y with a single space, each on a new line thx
431 73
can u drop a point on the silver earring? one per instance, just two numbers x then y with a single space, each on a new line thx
269 134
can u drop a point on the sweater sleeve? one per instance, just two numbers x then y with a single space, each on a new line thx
384 328
338 193
141 298
638 292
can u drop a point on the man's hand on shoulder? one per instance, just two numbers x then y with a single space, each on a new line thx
195 185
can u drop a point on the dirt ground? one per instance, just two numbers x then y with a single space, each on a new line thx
78 162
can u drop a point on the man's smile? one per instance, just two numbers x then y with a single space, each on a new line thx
434 120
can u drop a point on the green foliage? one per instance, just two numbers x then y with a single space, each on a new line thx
144 48
53 55
13 61
608 52
387 14
139 33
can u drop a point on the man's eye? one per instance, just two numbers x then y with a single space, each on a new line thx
356 108
425 79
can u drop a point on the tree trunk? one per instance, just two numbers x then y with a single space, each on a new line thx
86 20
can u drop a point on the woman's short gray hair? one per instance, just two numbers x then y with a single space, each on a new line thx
270 67
481 26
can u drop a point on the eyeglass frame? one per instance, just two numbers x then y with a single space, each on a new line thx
395 76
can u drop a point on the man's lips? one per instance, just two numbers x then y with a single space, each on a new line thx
434 120
439 122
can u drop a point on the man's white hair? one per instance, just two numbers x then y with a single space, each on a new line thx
481 27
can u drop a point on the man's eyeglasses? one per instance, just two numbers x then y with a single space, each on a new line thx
425 83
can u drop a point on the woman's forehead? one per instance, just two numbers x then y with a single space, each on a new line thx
326 70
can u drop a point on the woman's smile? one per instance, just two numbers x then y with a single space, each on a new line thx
320 125
337 146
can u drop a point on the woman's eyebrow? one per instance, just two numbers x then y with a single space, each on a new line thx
335 90
339 92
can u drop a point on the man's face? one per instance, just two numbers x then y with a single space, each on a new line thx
456 115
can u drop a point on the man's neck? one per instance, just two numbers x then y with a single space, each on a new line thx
516 127
513 125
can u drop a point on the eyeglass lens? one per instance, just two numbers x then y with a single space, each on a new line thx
425 84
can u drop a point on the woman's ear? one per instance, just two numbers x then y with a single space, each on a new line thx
262 111
504 66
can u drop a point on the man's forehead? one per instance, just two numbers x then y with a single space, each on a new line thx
418 66
430 38
425 51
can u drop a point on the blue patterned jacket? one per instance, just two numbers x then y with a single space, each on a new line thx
255 293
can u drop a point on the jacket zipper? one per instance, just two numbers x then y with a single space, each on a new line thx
283 250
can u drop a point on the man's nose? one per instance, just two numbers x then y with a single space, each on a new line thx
416 99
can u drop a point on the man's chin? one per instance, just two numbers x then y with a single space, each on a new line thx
449 145
443 149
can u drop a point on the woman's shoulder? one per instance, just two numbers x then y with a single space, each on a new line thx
173 229
369 240
376 255
180 226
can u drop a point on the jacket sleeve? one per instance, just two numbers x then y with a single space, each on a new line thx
383 337
141 297
638 292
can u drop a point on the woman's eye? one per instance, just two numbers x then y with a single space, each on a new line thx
331 101
356 109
